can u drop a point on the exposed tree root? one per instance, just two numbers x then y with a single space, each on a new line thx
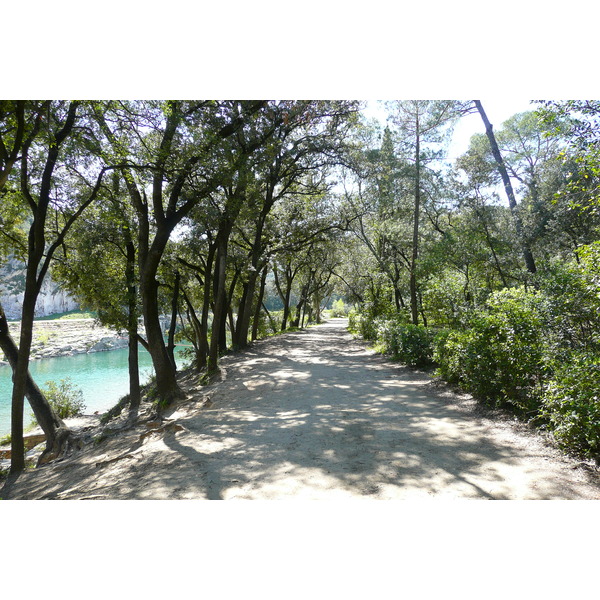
63 444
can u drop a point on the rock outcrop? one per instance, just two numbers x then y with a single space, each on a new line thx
52 299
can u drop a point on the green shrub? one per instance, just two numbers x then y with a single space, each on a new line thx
571 304
449 353
449 300
363 325
339 309
65 399
571 403
353 318
499 359
411 344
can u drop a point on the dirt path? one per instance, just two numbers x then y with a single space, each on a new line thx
316 415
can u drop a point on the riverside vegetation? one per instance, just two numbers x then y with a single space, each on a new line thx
224 221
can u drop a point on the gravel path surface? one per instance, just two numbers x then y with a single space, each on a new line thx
316 415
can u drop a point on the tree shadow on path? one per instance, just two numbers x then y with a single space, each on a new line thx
315 414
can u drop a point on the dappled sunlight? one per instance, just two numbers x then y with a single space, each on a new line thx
254 384
289 374
289 424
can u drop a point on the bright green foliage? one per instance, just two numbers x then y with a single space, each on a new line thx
500 358
410 344
339 309
65 398
354 318
368 321
572 403
571 304
449 353
363 324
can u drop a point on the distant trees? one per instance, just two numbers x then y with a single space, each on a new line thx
421 122
393 184
466 242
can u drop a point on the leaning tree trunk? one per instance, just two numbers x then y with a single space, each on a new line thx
41 409
527 255
59 438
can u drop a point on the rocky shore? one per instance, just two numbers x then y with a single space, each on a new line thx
66 337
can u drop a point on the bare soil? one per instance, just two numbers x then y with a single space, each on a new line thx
314 414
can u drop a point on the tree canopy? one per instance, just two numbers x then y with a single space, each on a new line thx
221 221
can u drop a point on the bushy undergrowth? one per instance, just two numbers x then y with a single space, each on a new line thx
535 352
410 344
571 403
65 399
339 309
363 324
499 359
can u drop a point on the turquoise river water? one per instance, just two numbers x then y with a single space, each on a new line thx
102 377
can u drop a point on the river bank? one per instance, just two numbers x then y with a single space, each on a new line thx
67 337
93 358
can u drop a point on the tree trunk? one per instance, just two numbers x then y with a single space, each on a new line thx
58 436
245 310
204 347
414 307
527 255
300 306
173 324
41 409
132 329
488 238
197 327
39 255
22 367
259 301
219 310
285 296
166 381
229 321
